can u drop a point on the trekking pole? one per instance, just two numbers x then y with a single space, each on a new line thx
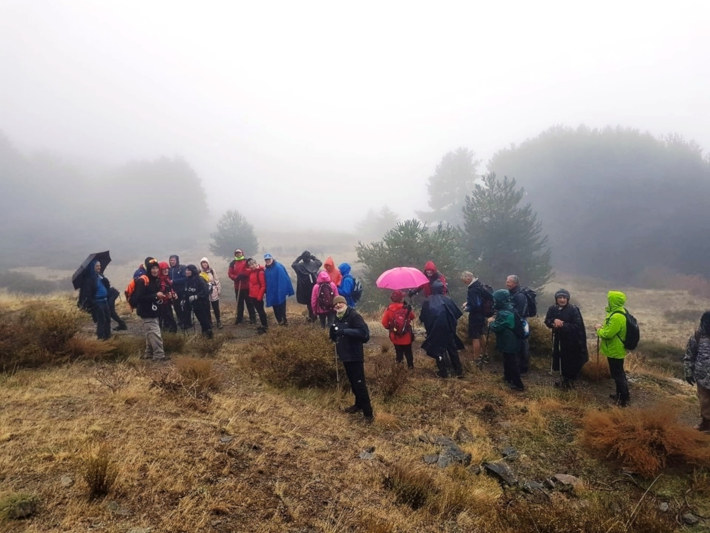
597 350
239 291
337 372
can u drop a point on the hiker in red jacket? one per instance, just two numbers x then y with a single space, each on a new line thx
397 318
257 290
322 296
432 275
239 274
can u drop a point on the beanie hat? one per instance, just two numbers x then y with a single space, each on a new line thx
397 296
149 262
339 300
562 292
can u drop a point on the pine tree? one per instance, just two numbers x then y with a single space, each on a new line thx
454 178
233 231
500 238
410 243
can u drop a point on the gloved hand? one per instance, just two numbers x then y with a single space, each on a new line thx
338 332
690 380
192 298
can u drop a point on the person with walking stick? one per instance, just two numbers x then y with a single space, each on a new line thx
349 332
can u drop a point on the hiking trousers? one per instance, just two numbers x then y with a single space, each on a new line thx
511 370
355 371
524 356
242 297
215 310
704 399
153 339
616 369
167 320
404 351
102 316
280 313
202 313
326 319
259 307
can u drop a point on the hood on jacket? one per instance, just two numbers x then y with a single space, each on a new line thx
430 266
148 263
344 269
323 277
616 300
562 292
205 260
177 259
193 269
163 265
705 324
437 287
501 300
329 265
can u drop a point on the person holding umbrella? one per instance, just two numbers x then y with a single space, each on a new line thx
93 298
397 318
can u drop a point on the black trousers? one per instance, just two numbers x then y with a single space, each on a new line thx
524 356
167 320
102 317
259 307
242 297
202 313
445 357
215 310
280 313
356 375
402 351
326 319
183 312
112 296
511 370
616 369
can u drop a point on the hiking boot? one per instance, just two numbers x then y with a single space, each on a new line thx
368 419
252 321
163 358
219 325
261 330
513 386
237 322
704 426
615 397
121 327
442 374
352 409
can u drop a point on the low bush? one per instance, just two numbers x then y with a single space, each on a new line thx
204 346
660 350
113 377
597 368
683 315
197 375
300 356
411 485
645 440
51 327
174 343
100 471
540 340
387 376
17 505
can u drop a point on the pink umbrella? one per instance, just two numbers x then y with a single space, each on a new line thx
401 278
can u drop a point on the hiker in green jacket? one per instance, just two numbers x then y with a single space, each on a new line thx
503 325
612 335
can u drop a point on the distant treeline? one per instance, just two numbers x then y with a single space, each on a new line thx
53 212
616 202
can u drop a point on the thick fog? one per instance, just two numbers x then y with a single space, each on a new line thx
311 113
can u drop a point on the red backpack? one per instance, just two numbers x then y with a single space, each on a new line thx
130 291
399 323
326 295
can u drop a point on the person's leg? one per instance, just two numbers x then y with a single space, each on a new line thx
240 296
186 319
259 307
524 357
103 323
250 309
153 339
356 374
616 369
455 361
168 318
217 314
398 353
114 315
202 312
408 355
704 400
322 318
438 356
331 318
311 314
511 369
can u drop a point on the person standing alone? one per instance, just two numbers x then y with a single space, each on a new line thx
613 335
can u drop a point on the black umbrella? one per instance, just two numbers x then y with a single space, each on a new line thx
103 257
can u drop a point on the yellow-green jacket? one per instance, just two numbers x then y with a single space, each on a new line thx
613 332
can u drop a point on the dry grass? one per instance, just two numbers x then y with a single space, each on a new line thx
198 374
645 440
99 471
16 506
387 376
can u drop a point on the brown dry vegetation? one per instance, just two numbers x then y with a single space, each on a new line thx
262 446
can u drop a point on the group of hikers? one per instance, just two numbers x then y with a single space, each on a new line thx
330 295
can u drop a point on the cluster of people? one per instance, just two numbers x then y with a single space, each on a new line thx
330 296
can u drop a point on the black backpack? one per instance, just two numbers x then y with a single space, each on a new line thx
633 333
356 293
532 305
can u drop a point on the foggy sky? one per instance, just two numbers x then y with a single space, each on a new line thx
324 109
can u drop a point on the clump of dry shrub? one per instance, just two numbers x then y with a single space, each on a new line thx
540 340
597 368
411 485
113 377
387 376
17 505
197 375
299 356
100 471
598 514
645 440
204 346
174 342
